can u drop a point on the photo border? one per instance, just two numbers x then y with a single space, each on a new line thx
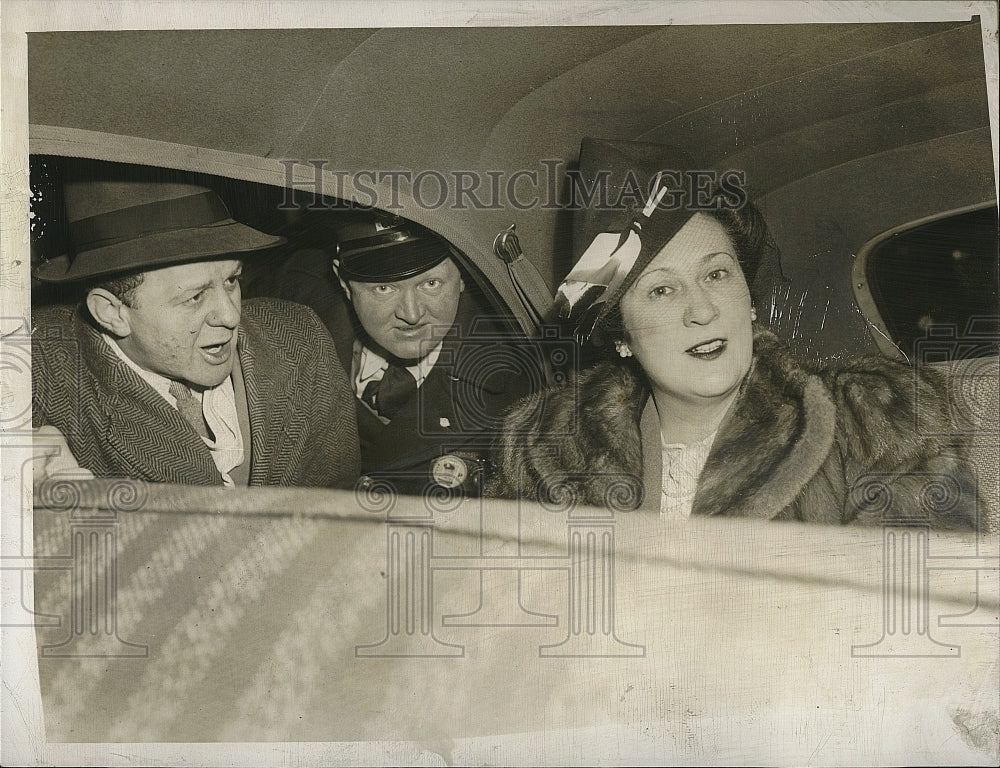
23 732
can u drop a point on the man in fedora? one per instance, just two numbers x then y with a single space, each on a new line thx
430 383
161 372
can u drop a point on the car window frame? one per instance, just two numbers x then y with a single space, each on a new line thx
863 295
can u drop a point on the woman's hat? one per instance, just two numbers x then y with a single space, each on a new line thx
386 249
640 196
122 225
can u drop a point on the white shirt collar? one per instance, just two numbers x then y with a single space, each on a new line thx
371 365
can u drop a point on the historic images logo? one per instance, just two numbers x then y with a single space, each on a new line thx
586 628
75 529
552 186
965 363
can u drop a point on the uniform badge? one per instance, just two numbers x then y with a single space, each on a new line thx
449 471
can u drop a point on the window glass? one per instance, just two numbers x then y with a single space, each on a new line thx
939 277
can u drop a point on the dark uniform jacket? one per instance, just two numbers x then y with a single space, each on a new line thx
846 442
447 429
443 434
303 430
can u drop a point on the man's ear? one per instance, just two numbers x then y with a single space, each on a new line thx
343 284
109 312
454 265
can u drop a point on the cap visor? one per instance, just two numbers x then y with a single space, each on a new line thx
390 264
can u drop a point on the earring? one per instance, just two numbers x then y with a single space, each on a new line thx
753 314
622 348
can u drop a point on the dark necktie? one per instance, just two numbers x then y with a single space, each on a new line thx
388 395
189 407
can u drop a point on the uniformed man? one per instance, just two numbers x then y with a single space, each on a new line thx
428 392
430 370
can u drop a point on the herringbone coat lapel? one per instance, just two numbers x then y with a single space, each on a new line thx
300 406
278 413
149 437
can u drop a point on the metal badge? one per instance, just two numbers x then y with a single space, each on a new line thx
449 471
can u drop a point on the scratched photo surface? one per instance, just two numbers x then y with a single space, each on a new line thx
500 566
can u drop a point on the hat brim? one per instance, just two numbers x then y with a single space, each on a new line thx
392 263
160 249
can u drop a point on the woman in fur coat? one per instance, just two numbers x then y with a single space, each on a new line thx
704 412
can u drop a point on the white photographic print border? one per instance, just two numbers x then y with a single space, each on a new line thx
22 717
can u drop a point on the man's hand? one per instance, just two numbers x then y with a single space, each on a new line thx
52 457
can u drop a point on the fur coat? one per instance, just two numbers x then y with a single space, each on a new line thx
836 443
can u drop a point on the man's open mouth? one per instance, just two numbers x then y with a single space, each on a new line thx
707 350
217 352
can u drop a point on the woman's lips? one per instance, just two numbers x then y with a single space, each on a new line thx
707 350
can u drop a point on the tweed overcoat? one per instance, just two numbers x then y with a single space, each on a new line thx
844 442
303 430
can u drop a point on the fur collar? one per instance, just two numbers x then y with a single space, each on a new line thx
587 437
772 443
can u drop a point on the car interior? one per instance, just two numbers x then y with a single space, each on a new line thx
870 150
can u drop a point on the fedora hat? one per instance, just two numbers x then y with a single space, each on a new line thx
386 249
123 225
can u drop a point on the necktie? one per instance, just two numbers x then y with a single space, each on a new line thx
388 395
189 407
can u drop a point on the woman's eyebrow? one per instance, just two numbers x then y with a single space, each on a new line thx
657 271
702 259
710 256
